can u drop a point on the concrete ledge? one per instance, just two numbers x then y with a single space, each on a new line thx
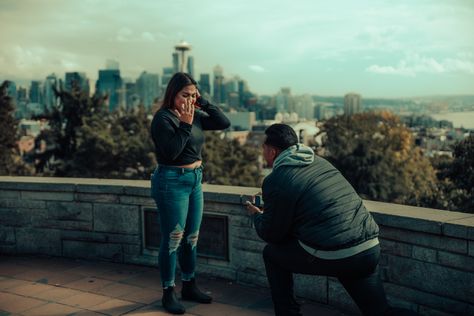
427 261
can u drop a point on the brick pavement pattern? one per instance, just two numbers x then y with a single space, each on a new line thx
32 285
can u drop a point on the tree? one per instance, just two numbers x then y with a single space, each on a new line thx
91 142
10 161
456 177
376 153
121 146
229 163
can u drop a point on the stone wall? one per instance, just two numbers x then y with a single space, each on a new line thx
427 263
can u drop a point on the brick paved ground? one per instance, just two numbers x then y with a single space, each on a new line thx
58 286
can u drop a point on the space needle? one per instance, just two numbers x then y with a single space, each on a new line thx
182 48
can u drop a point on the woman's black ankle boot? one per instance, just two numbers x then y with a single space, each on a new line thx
190 292
170 302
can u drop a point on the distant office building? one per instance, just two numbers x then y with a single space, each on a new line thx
77 79
168 72
51 83
284 101
11 91
34 109
111 64
36 93
21 103
30 127
306 132
205 84
175 62
22 94
132 99
352 104
241 121
219 93
233 100
148 88
322 111
232 86
110 84
304 106
190 65
242 90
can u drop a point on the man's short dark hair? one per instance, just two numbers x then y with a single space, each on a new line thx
280 136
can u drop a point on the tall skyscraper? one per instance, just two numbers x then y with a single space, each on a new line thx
352 104
21 103
284 101
11 91
168 72
205 84
233 100
190 66
111 64
22 94
175 62
321 111
110 84
242 90
219 88
50 84
36 93
148 88
132 99
77 79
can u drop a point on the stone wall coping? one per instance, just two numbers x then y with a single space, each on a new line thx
455 224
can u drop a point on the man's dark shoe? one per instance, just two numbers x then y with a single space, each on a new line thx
190 292
170 302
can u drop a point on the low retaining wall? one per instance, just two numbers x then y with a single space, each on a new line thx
427 261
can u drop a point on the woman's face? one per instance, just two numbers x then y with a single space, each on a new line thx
187 95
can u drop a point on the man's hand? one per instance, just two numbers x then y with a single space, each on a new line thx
252 209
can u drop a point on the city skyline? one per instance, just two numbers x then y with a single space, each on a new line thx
373 48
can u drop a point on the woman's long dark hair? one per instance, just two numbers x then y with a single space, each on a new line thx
176 83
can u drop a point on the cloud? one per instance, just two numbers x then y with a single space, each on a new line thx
124 34
257 68
415 64
25 58
148 37
30 62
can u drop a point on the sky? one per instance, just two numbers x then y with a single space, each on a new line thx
376 48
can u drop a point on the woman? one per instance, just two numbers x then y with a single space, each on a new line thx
177 131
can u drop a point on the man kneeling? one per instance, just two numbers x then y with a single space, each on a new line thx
315 223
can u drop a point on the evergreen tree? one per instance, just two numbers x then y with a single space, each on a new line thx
117 147
10 160
91 142
65 121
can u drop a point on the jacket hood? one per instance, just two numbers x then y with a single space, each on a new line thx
298 155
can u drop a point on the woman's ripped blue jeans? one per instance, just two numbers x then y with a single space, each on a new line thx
179 199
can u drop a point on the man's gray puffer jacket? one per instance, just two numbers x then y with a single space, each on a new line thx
307 198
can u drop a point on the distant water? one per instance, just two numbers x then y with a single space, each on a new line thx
459 119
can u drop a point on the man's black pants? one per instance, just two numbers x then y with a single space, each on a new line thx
358 274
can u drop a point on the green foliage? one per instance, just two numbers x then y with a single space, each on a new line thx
456 177
67 119
229 163
376 153
10 160
91 142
